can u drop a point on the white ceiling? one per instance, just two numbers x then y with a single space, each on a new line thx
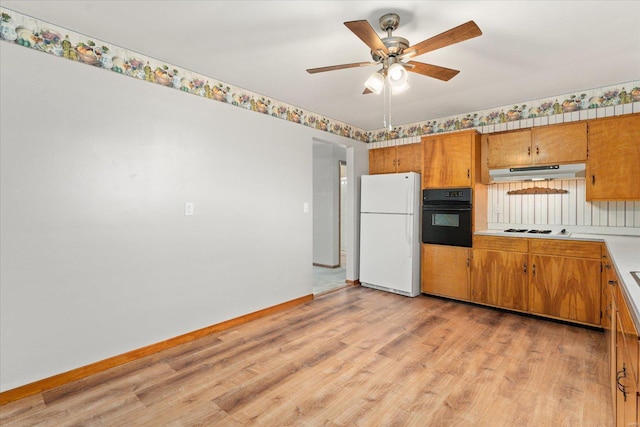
529 49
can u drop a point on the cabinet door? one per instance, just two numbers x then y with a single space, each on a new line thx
565 143
382 160
445 271
614 156
566 288
626 380
499 278
608 319
506 149
447 160
409 158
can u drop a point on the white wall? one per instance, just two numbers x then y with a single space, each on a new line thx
97 255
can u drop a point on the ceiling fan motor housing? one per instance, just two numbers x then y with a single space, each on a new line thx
395 45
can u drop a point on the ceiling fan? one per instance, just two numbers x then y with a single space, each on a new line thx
391 52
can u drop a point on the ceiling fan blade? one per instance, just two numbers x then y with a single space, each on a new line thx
339 67
367 34
435 71
458 34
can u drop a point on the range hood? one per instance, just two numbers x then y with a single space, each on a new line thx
538 173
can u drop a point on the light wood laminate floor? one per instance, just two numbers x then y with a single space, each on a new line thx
356 356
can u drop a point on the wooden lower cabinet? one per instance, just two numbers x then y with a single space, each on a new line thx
608 320
566 288
499 278
445 271
547 277
565 279
626 365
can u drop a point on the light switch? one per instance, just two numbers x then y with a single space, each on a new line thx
305 207
188 208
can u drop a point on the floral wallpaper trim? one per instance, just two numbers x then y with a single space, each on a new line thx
585 100
44 37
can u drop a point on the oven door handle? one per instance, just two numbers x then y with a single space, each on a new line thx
434 208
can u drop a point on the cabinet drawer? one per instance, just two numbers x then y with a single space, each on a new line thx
566 248
510 244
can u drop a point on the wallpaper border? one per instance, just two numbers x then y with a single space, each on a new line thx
42 36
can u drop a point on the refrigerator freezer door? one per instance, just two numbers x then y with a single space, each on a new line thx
389 253
391 193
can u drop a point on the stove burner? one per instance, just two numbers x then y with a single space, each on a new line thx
524 230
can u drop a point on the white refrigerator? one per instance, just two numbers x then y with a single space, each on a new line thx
390 232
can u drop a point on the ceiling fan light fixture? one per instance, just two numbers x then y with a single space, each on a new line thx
399 89
375 82
398 75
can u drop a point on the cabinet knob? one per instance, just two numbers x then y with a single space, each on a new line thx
528 151
593 179
525 267
613 282
468 173
533 269
537 150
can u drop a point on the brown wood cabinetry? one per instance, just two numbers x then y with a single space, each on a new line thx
396 159
445 271
506 149
614 156
499 272
450 159
626 365
547 277
553 144
622 348
565 280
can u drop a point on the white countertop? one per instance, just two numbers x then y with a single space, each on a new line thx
625 255
623 250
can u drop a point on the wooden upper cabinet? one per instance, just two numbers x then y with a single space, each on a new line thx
401 158
546 145
613 171
449 159
507 149
382 160
558 144
409 158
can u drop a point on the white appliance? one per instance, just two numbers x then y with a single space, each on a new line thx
390 233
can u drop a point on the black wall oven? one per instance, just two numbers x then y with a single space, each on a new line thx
446 216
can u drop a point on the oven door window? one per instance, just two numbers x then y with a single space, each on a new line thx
446 226
445 220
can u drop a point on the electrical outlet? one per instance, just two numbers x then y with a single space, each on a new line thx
497 208
188 208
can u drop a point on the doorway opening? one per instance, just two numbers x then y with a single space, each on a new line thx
330 218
